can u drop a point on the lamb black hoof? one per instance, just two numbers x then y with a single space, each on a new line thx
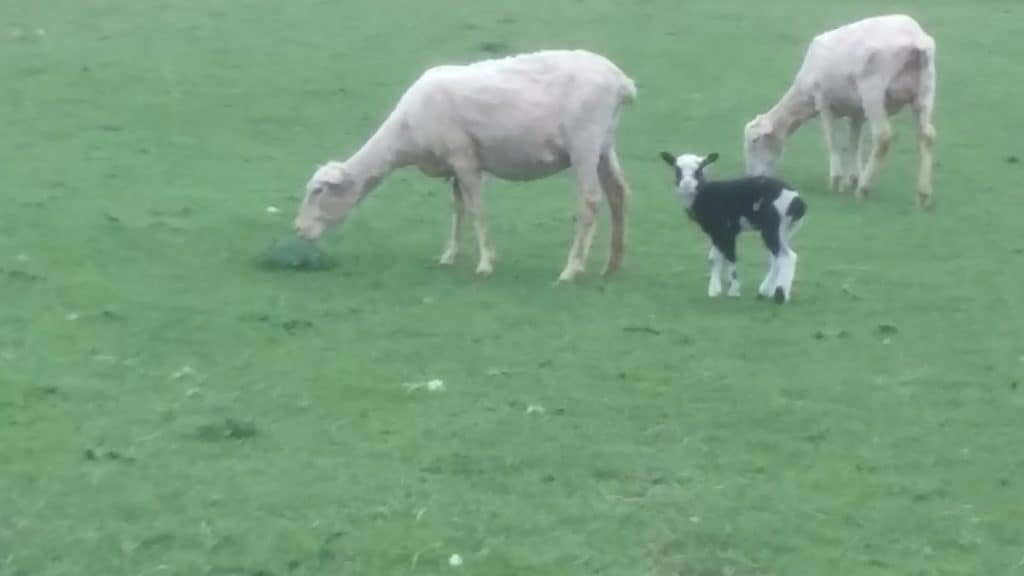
780 296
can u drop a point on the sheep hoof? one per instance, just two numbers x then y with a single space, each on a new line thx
861 193
448 259
780 295
572 271
610 269
837 183
484 269
924 201
567 277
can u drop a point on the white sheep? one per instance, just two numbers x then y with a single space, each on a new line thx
519 118
870 70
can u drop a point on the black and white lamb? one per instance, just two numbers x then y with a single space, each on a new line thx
723 208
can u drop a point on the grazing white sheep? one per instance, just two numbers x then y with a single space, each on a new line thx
870 70
722 208
519 118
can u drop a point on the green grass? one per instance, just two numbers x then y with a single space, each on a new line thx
169 407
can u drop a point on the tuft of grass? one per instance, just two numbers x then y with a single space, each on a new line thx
228 429
294 254
495 48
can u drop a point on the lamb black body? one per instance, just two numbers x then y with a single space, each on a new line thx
723 208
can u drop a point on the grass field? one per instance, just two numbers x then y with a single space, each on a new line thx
166 407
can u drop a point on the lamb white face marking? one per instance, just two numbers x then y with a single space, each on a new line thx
686 187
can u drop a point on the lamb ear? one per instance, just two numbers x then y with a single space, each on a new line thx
709 159
669 159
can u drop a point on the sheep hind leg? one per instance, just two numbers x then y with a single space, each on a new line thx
589 194
451 252
926 141
881 134
589 203
617 192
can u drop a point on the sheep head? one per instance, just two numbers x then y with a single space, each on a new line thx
331 194
762 146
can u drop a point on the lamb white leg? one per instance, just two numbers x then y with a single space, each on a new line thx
767 288
715 281
786 273
734 279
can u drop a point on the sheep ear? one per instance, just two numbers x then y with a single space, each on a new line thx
669 159
709 159
331 173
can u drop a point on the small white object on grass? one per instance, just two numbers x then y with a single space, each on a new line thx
435 385
534 409
182 372
22 257
455 560
72 316
273 209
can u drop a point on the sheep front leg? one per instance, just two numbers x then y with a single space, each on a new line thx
472 192
835 162
455 237
853 153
